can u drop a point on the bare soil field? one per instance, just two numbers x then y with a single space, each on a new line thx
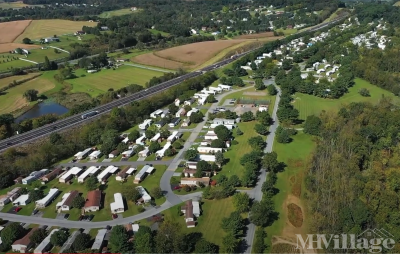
50 27
255 93
186 56
256 36
295 215
11 30
6 47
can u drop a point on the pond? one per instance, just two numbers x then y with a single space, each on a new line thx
42 108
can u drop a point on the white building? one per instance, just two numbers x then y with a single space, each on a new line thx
173 136
156 137
45 245
106 173
193 110
34 176
160 153
118 205
83 154
66 201
216 89
98 242
53 192
71 173
142 174
225 87
22 200
181 112
207 157
95 155
156 113
206 149
146 124
228 126
210 135
144 153
128 154
145 196
92 170
141 139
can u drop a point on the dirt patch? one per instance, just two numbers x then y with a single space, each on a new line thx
11 30
295 215
255 36
292 179
296 187
284 248
242 108
255 93
7 47
153 60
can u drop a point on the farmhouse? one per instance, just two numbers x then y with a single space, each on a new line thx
95 155
66 201
113 154
103 176
25 243
206 149
174 122
45 245
93 201
71 173
53 192
92 170
98 242
53 174
195 181
145 196
118 205
83 154
142 174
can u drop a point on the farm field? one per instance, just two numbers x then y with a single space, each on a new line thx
11 5
396 3
50 27
132 53
11 30
109 14
38 55
186 56
6 66
295 156
98 83
311 105
12 99
5 81
255 36
7 47
287 32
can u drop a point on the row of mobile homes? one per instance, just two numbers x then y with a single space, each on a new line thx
70 174
118 205
95 155
66 202
146 124
174 136
53 174
22 200
160 153
45 245
93 201
42 203
145 196
34 176
142 174
92 170
103 176
83 154
141 139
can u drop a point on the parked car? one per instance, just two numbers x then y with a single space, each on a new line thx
17 209
177 187
66 216
108 227
91 217
114 216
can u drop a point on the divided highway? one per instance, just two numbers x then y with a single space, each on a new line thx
77 119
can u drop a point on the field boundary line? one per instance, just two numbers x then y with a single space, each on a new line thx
27 60
23 31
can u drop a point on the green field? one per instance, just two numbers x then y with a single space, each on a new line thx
287 31
311 105
6 66
155 31
98 83
132 53
298 150
38 55
109 14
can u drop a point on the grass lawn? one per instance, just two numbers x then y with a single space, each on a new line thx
132 53
312 105
4 66
209 222
5 81
235 152
287 32
294 155
109 14
38 55
97 83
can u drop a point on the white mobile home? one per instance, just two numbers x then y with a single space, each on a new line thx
83 154
90 171
160 153
144 153
145 196
71 173
210 135
140 140
223 121
225 87
228 126
146 124
142 174
128 154
193 110
95 155
156 137
48 198
66 201
22 200
216 89
156 113
4 200
173 136
207 157
98 242
106 173
118 205
45 245
206 149
181 112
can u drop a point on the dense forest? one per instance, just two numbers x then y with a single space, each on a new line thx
354 177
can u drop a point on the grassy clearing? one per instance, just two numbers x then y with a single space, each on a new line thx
5 81
98 83
132 53
12 99
38 55
155 31
311 105
12 5
50 27
294 155
110 14
287 32
209 221
6 66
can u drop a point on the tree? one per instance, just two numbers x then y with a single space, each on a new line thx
222 132
144 243
233 224
253 66
177 145
198 174
257 143
249 178
239 132
312 125
46 64
26 41
78 202
149 133
55 138
282 136
156 192
241 201
203 166
38 236
219 158
364 92
31 95
270 162
217 143
262 212
59 237
211 99
204 246
154 147
119 240
272 90
259 241
191 155
35 195
11 233
230 244
135 134
261 129
259 84
110 140
81 242
263 117
173 109
196 117
91 183
131 193
169 238
247 116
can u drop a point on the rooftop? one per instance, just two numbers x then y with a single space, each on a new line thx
93 198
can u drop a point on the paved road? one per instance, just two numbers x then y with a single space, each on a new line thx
115 163
146 67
